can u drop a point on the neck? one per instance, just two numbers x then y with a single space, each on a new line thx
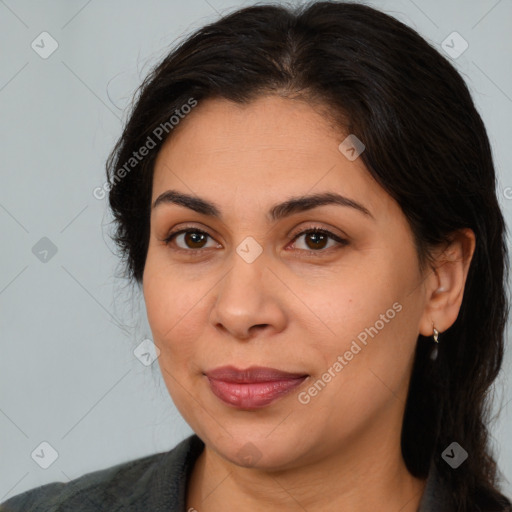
358 477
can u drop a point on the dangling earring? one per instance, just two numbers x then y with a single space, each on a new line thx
433 354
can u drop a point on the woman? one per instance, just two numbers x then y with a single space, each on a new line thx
307 200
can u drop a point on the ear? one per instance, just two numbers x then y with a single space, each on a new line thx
444 285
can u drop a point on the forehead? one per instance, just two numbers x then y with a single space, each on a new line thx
262 150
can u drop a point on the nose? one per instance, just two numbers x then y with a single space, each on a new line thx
249 300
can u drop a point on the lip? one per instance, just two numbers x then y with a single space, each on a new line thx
252 388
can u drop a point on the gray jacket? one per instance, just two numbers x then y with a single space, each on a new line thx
155 483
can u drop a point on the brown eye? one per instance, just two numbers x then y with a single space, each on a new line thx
190 239
316 239
196 239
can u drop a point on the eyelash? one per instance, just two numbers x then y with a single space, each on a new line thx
195 252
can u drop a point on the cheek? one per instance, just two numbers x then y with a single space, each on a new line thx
171 305
368 315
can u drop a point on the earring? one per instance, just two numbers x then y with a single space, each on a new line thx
433 354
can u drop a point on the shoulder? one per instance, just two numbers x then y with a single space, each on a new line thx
439 497
129 486
491 500
88 492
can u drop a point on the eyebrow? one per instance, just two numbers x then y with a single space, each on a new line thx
278 211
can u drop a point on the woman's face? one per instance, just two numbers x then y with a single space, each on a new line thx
341 311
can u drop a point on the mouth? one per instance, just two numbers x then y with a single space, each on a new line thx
252 388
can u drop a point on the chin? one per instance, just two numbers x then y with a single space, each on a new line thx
258 450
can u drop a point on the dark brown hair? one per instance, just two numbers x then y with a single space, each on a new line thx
426 145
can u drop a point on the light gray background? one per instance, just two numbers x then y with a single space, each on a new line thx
68 375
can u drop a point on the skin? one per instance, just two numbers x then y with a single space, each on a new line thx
296 307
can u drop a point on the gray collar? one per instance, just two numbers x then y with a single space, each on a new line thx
435 496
